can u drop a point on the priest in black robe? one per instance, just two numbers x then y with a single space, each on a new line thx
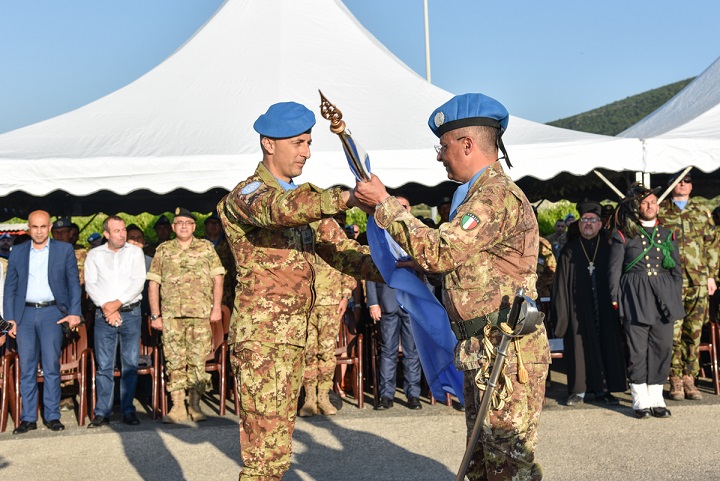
583 314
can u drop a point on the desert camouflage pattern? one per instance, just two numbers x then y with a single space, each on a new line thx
80 255
506 450
698 242
275 236
331 286
230 280
186 344
274 246
487 251
268 394
557 242
185 277
546 267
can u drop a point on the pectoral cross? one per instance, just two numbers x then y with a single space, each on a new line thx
591 268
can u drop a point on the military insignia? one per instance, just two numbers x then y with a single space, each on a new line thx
439 119
469 221
250 188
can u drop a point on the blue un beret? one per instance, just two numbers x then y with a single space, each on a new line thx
468 110
283 120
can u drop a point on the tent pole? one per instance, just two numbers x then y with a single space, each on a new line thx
604 179
427 42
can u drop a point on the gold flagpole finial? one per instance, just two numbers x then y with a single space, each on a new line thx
333 114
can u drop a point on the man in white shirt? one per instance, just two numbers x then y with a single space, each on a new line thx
114 280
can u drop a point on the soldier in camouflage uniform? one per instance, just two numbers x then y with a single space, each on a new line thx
275 229
485 252
699 259
546 267
187 276
333 290
214 233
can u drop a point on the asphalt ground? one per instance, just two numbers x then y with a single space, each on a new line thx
589 442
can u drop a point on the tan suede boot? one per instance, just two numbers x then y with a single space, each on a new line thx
194 410
323 402
310 407
677 392
691 391
177 413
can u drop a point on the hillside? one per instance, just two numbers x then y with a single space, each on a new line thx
613 118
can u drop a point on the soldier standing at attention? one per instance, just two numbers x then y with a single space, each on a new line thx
699 261
333 290
271 224
187 276
485 252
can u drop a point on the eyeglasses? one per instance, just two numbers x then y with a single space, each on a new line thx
184 223
591 220
686 180
440 147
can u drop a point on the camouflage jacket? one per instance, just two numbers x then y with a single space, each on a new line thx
331 285
697 240
546 267
275 235
486 252
186 277
228 261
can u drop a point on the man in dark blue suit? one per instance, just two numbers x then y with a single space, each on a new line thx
394 326
42 291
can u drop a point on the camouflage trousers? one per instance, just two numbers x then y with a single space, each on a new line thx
269 377
187 342
506 449
323 329
686 336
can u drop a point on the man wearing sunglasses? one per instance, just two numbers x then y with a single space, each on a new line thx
698 257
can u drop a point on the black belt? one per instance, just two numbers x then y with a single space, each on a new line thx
474 327
129 307
38 305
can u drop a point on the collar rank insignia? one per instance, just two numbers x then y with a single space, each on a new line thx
469 221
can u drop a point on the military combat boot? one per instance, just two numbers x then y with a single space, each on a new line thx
194 410
691 391
677 392
177 413
323 401
310 407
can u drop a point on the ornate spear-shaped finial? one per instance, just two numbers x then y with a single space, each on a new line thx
333 114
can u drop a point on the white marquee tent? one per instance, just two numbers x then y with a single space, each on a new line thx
187 124
685 130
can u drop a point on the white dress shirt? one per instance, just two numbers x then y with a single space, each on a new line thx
115 275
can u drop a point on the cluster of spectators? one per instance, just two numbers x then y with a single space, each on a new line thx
631 294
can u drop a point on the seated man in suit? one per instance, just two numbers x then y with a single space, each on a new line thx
42 291
394 325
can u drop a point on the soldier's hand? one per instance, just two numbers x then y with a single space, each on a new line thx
371 193
412 264
342 307
216 314
375 312
712 286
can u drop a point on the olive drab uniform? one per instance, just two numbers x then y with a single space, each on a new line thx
487 251
186 278
697 240
274 246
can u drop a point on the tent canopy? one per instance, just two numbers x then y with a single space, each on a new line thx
182 133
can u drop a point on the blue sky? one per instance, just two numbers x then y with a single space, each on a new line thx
543 59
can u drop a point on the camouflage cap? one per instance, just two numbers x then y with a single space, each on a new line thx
182 212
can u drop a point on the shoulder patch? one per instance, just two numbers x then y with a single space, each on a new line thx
469 221
250 188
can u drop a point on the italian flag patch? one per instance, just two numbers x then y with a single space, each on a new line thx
469 221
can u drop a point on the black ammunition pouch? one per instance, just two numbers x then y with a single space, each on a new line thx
474 327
